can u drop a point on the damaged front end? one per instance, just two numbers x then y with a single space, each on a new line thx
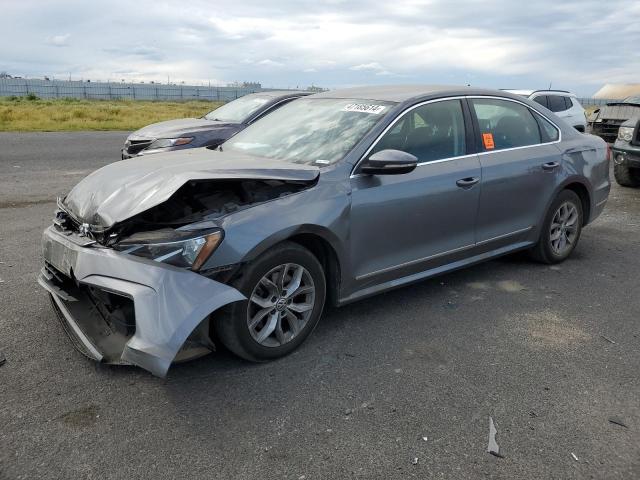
140 289
121 309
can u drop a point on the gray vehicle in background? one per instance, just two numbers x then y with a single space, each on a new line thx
626 154
330 199
605 121
208 131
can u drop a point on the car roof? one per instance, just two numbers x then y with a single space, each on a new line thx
402 93
528 93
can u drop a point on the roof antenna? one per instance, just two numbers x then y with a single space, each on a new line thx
550 83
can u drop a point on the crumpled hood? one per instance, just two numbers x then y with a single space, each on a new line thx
618 111
176 128
126 188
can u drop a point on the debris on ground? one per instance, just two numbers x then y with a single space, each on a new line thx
574 456
425 439
414 461
618 421
3 359
493 447
608 339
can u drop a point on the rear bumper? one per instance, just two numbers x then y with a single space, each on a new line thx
164 306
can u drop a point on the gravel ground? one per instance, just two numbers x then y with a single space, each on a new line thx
400 385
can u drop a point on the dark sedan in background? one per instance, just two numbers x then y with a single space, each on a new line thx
208 131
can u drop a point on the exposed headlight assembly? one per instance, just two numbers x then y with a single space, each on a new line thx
625 134
181 249
169 142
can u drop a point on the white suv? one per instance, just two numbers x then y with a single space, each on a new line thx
562 103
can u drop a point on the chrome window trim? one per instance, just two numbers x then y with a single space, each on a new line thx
461 97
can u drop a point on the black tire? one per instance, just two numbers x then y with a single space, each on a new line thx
625 176
231 326
543 251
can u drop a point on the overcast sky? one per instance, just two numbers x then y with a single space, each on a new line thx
576 45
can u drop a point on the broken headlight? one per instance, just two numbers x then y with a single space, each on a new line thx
169 142
181 249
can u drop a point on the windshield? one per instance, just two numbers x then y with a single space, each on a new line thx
314 131
238 110
632 100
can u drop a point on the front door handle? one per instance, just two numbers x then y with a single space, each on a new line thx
467 182
550 165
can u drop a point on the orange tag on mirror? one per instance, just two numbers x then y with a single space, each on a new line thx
487 139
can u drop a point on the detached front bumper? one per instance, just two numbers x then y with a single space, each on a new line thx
151 309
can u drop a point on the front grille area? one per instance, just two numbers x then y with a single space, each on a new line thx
607 129
134 147
63 222
104 317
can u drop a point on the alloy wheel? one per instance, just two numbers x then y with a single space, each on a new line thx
281 304
564 228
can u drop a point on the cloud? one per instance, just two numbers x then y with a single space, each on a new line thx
373 66
494 43
58 40
267 62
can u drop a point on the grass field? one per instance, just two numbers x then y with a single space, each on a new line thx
21 114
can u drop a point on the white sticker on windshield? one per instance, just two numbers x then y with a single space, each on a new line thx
364 108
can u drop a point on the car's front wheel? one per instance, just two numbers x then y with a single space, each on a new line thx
286 290
561 229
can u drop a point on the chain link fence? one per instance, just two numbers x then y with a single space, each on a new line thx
21 87
595 102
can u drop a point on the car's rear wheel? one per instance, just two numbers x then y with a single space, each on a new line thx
626 176
561 229
286 290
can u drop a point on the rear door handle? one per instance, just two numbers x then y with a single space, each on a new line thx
550 165
467 182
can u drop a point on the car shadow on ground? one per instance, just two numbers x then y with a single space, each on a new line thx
362 314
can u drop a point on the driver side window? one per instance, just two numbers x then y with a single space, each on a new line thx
434 131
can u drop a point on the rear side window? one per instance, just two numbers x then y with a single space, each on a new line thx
549 132
505 124
434 131
569 102
557 103
542 100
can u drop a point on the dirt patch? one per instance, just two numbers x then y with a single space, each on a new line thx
510 286
479 285
547 329
83 417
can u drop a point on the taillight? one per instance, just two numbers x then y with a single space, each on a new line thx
609 154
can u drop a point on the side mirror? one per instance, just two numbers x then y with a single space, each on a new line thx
389 162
